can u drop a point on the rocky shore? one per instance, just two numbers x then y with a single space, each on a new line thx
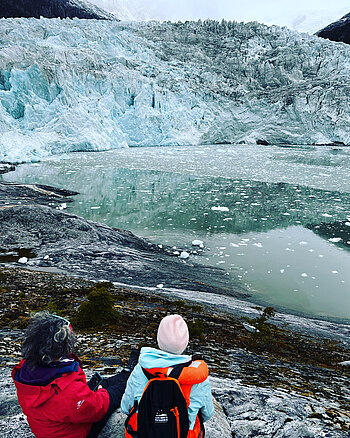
271 383
33 222
272 375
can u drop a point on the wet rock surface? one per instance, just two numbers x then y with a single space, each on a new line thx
4 168
12 194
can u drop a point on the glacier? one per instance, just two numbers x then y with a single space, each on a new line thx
88 85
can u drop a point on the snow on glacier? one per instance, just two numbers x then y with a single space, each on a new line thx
69 85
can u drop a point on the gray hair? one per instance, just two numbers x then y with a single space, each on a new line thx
47 338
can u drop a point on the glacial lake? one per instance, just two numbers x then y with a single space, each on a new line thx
277 219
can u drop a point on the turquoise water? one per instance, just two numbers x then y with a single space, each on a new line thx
277 219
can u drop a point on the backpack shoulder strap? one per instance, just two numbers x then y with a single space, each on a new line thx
177 369
129 431
175 372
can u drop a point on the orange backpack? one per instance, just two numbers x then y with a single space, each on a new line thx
162 410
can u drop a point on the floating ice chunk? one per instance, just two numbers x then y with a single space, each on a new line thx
234 244
62 206
197 242
160 286
302 243
218 208
46 257
184 255
160 246
23 260
347 224
286 214
346 363
335 239
258 244
326 215
95 208
281 271
335 272
304 274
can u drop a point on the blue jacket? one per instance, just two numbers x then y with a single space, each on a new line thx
196 375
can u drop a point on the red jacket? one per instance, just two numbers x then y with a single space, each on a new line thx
64 408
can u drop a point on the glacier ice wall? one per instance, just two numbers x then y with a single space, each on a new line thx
71 85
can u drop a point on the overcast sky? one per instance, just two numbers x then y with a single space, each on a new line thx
303 15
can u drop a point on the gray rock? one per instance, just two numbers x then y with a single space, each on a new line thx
52 9
265 412
241 411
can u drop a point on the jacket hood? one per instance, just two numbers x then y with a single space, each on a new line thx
194 373
154 358
43 375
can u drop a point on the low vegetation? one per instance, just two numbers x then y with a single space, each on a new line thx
98 310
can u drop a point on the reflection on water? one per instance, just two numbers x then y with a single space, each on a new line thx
260 231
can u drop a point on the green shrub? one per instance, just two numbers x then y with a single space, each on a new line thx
97 310
260 322
265 335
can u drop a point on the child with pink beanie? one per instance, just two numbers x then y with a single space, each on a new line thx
173 334
173 338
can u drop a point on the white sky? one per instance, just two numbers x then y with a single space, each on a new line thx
302 15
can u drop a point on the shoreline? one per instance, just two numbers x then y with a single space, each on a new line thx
296 361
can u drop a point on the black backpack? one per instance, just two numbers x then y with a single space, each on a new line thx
162 411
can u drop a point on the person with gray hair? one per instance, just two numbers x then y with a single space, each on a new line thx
51 385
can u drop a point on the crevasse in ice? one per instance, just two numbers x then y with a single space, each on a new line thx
69 85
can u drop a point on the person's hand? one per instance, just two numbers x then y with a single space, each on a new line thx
133 359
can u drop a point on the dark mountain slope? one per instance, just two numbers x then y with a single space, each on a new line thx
52 9
337 31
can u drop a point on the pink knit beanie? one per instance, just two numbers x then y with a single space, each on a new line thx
173 334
